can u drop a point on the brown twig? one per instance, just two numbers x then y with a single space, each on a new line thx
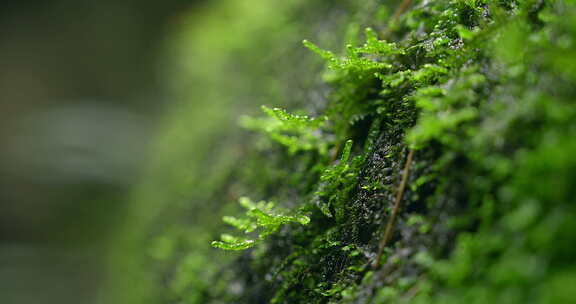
402 8
336 152
399 194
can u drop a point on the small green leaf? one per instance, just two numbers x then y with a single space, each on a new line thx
346 151
260 217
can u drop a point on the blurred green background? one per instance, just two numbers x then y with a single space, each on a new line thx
81 97
118 124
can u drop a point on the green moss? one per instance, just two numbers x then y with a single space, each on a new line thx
295 132
259 215
481 91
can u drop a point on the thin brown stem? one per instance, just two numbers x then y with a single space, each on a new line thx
396 209
336 152
402 8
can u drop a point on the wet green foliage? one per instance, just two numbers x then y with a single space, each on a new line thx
258 215
483 92
336 182
295 132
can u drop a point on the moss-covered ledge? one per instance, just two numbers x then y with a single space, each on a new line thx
435 167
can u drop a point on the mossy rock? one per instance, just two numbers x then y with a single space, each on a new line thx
448 124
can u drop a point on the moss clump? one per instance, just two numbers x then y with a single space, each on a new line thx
471 103
259 215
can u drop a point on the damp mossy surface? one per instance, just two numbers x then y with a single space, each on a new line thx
450 123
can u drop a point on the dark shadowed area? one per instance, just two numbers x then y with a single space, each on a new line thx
80 98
